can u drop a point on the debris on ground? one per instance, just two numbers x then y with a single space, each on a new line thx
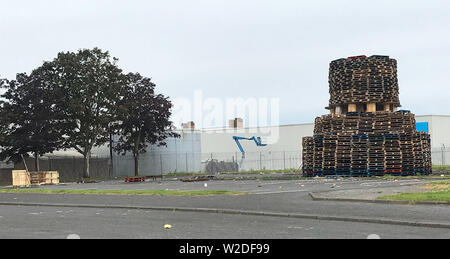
215 166
199 178
167 226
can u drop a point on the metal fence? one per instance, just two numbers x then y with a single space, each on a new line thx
157 164
71 168
440 156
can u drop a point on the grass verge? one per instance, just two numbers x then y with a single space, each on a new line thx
440 192
436 196
123 192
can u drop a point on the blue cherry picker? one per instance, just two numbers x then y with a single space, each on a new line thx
257 140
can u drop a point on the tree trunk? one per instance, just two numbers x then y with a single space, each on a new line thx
36 162
136 165
87 157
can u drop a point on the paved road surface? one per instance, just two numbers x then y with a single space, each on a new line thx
266 196
44 222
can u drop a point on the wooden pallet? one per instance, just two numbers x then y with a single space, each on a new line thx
135 179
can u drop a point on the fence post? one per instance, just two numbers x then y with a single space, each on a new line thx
73 169
161 163
176 161
187 167
443 154
260 160
271 159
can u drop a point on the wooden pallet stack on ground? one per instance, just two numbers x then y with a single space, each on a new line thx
364 135
343 154
418 151
22 178
44 178
308 153
398 152
422 152
376 154
407 153
426 145
392 153
359 154
329 153
318 152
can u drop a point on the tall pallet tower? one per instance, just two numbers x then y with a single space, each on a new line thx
365 133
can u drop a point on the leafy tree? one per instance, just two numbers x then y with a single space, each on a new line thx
90 84
30 122
142 118
3 123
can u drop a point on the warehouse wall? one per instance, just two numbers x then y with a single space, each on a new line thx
285 138
439 126
181 155
282 152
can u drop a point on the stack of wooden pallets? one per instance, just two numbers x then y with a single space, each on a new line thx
364 80
22 178
308 154
407 153
392 153
360 143
365 123
329 153
359 155
343 154
376 154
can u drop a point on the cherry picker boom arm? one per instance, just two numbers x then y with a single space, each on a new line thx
256 139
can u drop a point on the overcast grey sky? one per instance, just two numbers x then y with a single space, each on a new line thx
241 48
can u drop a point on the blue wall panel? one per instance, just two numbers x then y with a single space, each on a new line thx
422 126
